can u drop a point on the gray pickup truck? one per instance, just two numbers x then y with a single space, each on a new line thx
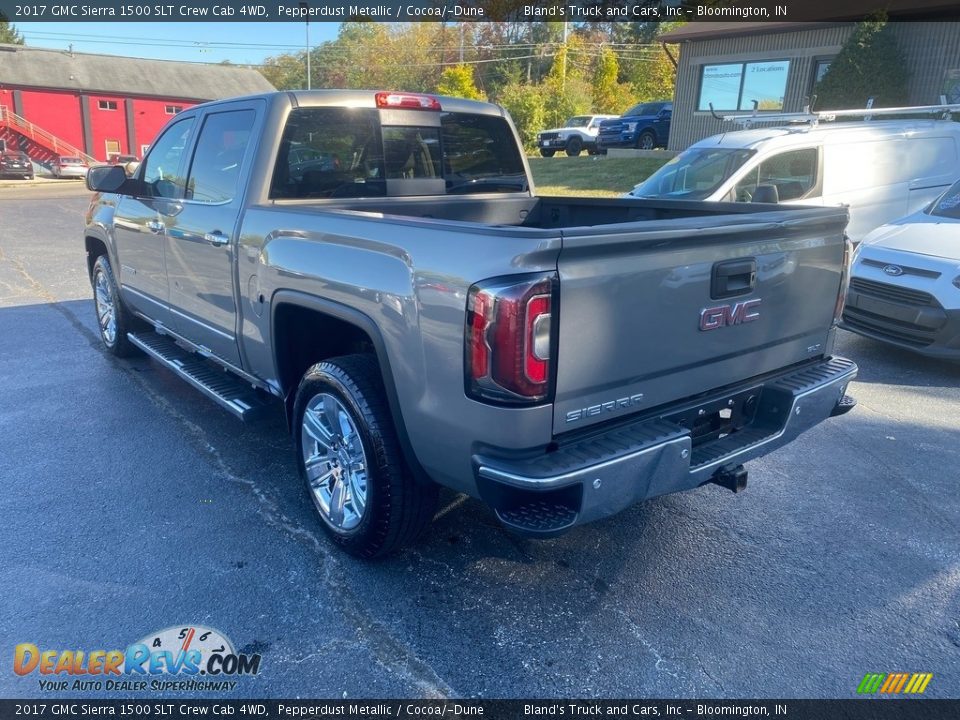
379 266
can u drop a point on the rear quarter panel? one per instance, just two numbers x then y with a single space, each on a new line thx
410 278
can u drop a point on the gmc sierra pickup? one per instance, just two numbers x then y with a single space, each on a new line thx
379 265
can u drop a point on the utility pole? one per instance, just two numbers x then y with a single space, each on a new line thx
461 43
563 65
305 7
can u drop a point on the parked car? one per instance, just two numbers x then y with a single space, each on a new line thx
579 133
122 159
645 126
70 167
423 318
881 169
16 164
905 281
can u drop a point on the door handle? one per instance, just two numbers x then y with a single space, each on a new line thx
155 226
216 238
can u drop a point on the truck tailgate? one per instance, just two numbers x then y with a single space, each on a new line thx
657 312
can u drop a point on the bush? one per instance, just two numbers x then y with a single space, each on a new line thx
526 106
869 65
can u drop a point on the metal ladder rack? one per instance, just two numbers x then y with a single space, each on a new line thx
812 118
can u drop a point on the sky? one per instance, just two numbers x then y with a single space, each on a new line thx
240 43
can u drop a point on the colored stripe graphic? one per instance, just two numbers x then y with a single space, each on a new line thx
894 683
871 683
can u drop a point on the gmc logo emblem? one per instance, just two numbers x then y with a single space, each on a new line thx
726 315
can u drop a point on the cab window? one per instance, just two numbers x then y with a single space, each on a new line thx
215 170
793 173
161 170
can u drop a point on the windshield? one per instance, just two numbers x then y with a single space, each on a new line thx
578 121
693 174
644 109
948 204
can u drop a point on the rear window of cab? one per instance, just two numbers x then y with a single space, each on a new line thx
345 152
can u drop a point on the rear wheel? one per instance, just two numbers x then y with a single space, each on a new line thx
574 146
547 153
348 454
113 318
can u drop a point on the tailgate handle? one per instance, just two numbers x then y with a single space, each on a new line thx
731 278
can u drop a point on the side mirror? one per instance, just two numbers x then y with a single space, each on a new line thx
766 194
106 178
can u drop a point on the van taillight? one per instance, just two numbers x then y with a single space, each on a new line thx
844 280
511 340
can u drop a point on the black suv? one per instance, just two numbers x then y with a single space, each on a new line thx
16 164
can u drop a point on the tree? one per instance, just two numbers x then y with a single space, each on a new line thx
868 65
566 90
607 92
653 78
9 33
526 106
457 81
285 72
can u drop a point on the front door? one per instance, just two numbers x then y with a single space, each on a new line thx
201 242
140 225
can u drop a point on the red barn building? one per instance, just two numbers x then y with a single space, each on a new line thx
55 102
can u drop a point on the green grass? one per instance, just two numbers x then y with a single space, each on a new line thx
594 176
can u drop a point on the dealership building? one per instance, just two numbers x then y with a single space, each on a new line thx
778 64
61 103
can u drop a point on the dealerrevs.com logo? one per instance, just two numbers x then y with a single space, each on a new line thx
201 658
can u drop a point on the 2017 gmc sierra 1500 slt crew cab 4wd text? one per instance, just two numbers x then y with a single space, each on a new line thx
379 265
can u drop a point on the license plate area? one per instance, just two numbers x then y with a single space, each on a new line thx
718 417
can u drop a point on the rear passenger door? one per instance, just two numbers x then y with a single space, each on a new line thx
201 243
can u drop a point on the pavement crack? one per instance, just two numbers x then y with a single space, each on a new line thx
661 664
703 669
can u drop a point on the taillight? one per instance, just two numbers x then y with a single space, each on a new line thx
511 340
844 280
407 101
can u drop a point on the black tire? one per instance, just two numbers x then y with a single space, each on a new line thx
119 345
398 508
574 146
547 153
646 141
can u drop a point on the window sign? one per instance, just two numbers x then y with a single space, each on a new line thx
765 83
735 86
720 86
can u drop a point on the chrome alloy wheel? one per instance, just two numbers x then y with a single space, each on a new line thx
106 310
335 462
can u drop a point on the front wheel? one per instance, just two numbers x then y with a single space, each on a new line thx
646 141
574 147
547 153
348 454
113 318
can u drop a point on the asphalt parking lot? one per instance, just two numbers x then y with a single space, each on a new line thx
130 504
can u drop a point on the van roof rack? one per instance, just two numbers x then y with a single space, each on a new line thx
812 118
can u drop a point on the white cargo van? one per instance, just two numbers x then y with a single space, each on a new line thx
882 169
